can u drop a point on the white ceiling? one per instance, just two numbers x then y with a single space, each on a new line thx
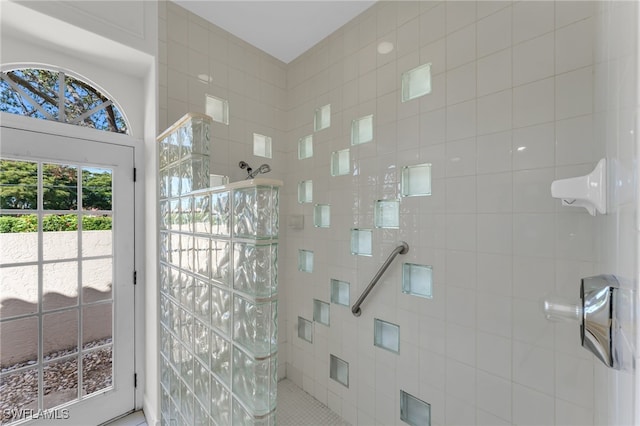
283 29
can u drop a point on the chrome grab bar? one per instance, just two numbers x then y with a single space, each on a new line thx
401 249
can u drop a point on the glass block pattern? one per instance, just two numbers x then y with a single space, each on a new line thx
362 130
340 163
386 214
416 180
322 118
417 280
305 191
322 215
339 370
340 292
217 109
305 147
386 335
305 329
361 242
321 312
414 411
256 212
261 145
218 288
305 260
416 82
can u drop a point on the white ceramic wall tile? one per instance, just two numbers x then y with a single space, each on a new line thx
494 32
533 367
460 14
432 24
494 395
532 19
533 59
533 103
460 347
460 381
493 354
494 72
461 157
574 93
461 120
571 11
495 193
531 191
574 46
575 142
534 147
461 84
494 152
460 48
532 407
494 272
494 112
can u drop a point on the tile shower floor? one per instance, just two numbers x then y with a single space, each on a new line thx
295 408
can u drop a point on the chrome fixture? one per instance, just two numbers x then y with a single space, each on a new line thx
599 328
401 249
265 168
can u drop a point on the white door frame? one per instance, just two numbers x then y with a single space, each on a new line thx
73 131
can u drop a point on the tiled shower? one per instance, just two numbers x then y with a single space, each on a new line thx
459 168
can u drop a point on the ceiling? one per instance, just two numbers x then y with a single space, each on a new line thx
283 29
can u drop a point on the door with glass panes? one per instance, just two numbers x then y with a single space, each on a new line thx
66 279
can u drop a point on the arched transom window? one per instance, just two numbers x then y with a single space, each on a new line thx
53 95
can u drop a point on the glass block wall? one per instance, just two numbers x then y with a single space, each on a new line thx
218 288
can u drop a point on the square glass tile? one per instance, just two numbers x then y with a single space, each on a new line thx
340 163
321 312
416 180
386 335
417 280
218 109
340 292
305 147
305 260
261 145
361 242
339 370
414 411
387 214
362 130
305 329
322 118
322 215
416 82
305 191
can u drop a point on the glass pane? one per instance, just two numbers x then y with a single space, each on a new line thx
59 187
305 147
60 382
18 185
97 370
386 335
60 334
321 312
60 237
416 82
18 291
19 343
96 188
339 370
97 325
97 238
322 216
18 238
59 285
97 279
387 214
23 397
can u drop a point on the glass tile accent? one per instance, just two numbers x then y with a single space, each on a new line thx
387 214
339 370
255 270
261 145
340 294
414 411
322 215
362 130
305 147
217 109
417 280
416 82
361 242
416 180
321 312
305 260
340 163
322 118
305 329
386 335
305 191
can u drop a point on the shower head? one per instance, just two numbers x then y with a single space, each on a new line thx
265 168
243 165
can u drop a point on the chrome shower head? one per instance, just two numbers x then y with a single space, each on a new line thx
265 168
